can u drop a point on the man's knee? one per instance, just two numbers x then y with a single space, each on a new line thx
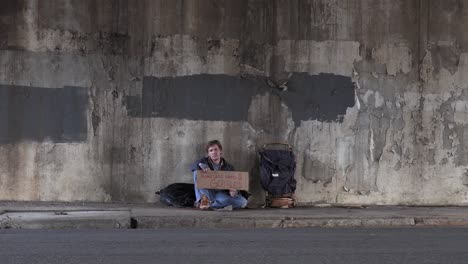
241 202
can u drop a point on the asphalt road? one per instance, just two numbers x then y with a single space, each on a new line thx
335 245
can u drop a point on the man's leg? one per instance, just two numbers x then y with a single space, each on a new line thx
222 199
199 192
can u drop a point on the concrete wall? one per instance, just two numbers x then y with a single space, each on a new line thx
112 100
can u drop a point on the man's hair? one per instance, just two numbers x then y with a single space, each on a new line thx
212 143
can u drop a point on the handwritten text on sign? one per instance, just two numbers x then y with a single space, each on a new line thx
238 180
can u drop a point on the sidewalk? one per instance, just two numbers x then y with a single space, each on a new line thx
32 215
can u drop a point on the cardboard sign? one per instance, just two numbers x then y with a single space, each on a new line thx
238 180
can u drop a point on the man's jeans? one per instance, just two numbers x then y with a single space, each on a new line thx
219 198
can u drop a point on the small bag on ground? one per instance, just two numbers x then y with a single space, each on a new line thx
182 195
178 195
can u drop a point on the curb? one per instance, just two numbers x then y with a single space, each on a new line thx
66 220
66 224
442 221
121 219
286 222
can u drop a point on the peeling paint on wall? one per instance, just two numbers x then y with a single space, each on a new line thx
212 56
396 57
315 57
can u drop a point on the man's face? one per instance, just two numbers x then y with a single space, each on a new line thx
214 153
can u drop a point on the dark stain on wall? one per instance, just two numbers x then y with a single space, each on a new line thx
11 7
34 113
9 15
323 97
196 97
133 106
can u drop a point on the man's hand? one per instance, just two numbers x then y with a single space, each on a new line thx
232 192
204 167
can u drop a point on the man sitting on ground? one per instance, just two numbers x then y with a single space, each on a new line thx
211 198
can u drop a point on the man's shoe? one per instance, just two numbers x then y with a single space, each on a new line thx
204 203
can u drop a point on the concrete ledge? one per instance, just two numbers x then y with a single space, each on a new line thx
205 222
366 222
65 220
441 221
211 222
59 216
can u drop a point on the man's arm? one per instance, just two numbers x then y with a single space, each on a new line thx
200 165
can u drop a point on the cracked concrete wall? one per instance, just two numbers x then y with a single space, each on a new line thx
372 95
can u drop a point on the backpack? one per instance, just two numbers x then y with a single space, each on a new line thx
277 169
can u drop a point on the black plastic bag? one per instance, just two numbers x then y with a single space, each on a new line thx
178 195
182 195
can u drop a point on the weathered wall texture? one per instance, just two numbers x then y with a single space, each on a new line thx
112 100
